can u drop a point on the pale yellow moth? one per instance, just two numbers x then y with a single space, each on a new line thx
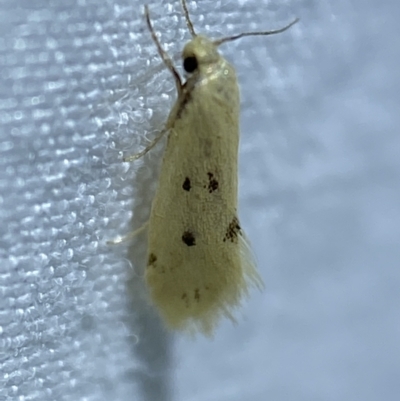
199 264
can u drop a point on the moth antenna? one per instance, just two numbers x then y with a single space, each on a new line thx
166 59
187 18
262 33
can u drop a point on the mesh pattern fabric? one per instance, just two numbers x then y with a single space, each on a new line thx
81 84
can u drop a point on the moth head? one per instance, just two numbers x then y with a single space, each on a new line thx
199 53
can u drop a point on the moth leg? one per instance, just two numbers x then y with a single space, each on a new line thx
164 55
147 148
129 236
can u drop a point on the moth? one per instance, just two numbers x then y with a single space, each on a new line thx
199 263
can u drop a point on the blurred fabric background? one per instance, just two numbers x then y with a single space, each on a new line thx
82 84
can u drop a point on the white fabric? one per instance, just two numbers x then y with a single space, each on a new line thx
81 82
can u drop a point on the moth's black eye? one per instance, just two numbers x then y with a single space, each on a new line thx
190 64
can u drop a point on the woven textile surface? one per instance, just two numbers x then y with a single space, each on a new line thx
81 85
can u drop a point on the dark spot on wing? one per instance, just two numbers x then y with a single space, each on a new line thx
212 183
197 294
186 184
152 259
232 231
188 238
185 298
